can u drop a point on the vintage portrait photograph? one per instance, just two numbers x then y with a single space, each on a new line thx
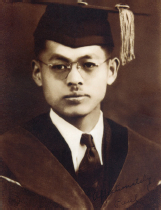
80 104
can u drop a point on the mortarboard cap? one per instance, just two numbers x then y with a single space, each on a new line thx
77 26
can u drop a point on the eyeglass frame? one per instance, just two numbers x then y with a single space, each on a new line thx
70 65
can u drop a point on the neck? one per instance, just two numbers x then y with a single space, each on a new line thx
85 123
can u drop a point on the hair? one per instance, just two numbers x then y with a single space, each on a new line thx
108 48
39 45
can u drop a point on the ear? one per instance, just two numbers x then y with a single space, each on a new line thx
113 70
36 73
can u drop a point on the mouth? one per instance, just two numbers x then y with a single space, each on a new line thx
74 97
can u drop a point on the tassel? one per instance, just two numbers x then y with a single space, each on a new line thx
81 2
127 33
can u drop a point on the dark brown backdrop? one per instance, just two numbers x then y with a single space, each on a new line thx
135 98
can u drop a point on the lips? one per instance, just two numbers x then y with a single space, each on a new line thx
76 95
76 98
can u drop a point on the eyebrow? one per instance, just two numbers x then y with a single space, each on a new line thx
87 56
58 57
62 58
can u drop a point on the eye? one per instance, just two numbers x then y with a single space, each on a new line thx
58 67
89 65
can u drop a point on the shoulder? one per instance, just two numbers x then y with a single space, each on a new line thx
42 128
134 138
136 142
117 130
146 150
37 123
35 127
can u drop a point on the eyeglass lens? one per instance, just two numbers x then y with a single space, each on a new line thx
85 69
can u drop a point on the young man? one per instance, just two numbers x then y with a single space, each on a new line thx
72 157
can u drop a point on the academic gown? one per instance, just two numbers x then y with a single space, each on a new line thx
38 172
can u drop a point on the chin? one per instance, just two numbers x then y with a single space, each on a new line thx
73 112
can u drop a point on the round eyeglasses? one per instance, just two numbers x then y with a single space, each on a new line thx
85 68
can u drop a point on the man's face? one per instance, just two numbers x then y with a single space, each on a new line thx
79 92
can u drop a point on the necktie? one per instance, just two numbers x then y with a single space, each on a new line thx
90 167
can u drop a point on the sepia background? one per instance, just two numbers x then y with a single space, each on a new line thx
134 100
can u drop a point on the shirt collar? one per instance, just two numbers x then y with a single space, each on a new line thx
72 135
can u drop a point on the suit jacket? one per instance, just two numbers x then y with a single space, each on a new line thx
38 172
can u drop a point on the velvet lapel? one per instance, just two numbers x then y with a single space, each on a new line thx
114 149
140 173
39 171
43 129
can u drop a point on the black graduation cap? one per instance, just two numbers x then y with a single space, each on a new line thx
77 26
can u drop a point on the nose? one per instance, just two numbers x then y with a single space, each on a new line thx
74 77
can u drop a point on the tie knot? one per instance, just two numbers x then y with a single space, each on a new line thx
87 140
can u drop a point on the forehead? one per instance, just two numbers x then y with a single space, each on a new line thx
54 48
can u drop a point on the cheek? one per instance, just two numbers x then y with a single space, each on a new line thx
99 89
51 88
100 83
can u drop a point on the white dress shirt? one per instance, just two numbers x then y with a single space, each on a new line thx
72 136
